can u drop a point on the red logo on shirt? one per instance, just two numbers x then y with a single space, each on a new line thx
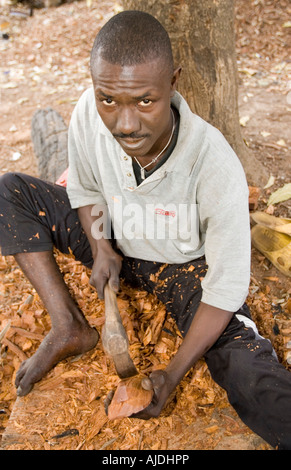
163 212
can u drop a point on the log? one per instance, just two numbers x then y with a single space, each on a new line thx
49 135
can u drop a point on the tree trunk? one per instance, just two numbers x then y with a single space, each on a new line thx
203 40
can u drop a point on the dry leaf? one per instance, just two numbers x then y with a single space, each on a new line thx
265 133
282 194
244 120
270 182
281 142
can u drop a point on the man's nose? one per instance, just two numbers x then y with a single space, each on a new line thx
128 121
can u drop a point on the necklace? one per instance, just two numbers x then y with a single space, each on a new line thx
142 168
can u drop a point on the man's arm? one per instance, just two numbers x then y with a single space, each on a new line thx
106 262
207 326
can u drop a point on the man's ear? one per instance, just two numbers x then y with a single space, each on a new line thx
175 79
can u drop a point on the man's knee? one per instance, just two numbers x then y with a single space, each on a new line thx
9 181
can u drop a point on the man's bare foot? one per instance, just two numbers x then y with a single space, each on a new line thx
56 346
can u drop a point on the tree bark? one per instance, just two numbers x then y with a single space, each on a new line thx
203 40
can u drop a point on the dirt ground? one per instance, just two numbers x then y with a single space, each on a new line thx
44 62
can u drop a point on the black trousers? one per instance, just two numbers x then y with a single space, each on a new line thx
35 216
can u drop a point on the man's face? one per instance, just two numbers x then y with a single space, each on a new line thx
134 104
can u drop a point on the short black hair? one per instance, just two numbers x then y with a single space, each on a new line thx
133 37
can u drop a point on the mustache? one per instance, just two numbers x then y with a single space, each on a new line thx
132 135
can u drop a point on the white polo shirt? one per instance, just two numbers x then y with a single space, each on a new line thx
195 204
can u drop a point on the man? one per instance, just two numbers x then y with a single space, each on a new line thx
176 198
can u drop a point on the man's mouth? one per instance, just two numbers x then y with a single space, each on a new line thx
130 142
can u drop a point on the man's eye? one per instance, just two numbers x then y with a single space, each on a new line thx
108 102
145 102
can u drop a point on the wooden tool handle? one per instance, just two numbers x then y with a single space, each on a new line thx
111 307
114 336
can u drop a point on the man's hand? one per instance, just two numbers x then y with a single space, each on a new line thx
106 268
107 263
160 383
